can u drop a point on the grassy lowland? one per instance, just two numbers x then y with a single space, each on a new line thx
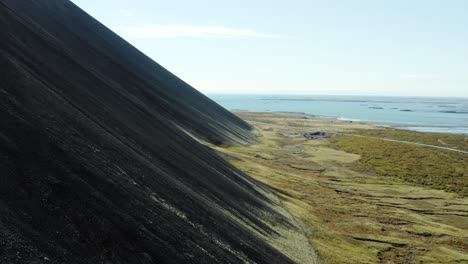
437 168
349 215
456 141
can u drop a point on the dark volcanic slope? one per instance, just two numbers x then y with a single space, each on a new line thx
95 166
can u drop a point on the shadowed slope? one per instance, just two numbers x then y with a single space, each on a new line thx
95 166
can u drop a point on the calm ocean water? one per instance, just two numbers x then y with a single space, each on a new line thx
448 115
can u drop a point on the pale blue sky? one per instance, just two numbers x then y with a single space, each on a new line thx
347 47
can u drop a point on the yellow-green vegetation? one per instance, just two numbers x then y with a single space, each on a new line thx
440 169
455 141
347 214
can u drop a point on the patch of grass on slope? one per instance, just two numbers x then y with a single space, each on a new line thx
440 169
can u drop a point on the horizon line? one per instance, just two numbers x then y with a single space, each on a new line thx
350 95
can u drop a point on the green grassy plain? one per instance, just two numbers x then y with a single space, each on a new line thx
455 141
342 191
436 168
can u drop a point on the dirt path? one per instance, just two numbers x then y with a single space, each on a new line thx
411 143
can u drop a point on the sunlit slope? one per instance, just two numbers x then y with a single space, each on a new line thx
98 163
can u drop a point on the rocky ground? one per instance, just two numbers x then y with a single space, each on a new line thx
101 160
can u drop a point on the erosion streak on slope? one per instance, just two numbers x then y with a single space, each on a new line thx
98 163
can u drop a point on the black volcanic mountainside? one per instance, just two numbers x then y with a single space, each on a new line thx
98 163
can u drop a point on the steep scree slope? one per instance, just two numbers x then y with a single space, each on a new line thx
95 164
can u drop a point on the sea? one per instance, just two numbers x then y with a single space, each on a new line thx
424 114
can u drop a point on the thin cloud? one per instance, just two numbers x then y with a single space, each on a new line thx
125 13
152 31
419 76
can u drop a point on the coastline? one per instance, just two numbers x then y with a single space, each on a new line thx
438 115
424 128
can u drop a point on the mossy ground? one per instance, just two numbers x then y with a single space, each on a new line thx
456 141
436 168
350 215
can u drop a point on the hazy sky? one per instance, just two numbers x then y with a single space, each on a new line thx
351 47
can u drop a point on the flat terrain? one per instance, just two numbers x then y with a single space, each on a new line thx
359 199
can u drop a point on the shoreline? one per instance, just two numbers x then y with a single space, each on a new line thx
423 128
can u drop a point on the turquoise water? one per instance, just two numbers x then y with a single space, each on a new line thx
448 115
